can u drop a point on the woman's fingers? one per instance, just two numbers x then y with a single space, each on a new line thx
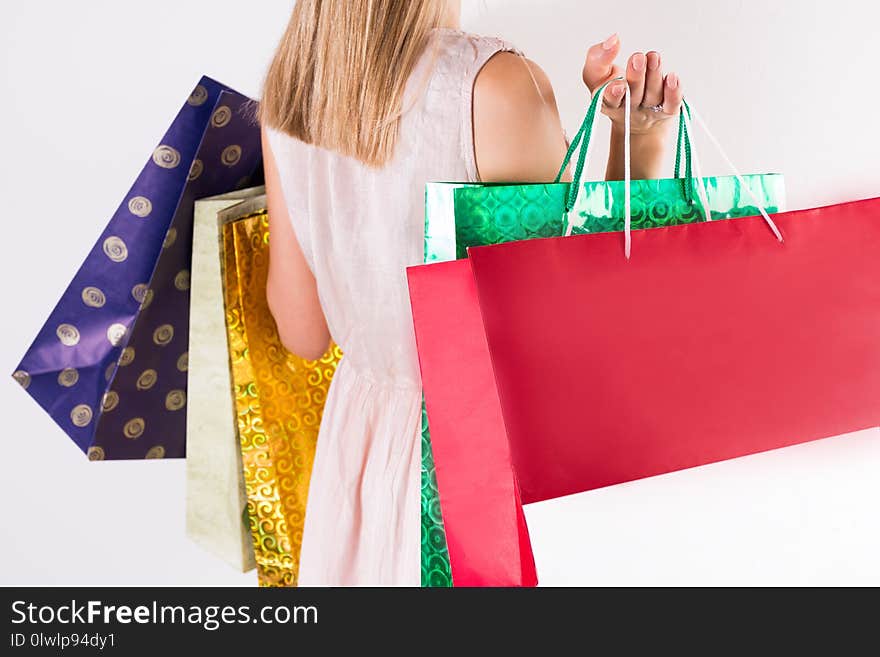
599 66
653 81
635 75
672 95
614 93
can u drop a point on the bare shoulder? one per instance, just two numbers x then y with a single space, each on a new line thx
509 76
517 132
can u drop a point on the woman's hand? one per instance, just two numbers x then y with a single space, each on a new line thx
655 98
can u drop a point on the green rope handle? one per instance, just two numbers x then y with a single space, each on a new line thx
582 138
684 147
683 151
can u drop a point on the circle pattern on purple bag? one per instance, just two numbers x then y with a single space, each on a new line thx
68 334
221 117
68 377
24 379
198 96
147 379
134 428
157 452
109 401
163 335
231 155
195 170
126 357
81 415
170 237
115 249
166 156
139 292
116 334
181 281
96 453
140 206
148 299
175 400
183 362
93 297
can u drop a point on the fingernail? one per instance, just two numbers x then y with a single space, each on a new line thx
610 42
638 62
618 90
672 80
654 62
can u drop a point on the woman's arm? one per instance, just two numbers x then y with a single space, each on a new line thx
518 135
291 289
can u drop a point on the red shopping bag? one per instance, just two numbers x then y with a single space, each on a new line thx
485 527
713 341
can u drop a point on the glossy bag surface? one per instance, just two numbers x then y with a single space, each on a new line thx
278 397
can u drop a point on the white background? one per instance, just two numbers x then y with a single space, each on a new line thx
86 90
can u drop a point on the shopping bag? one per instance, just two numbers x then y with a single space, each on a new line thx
279 398
486 531
110 364
444 296
448 230
714 341
216 501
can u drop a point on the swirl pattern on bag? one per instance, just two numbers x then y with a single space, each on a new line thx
279 399
195 170
68 334
198 96
68 377
221 117
93 297
109 401
140 206
166 156
116 334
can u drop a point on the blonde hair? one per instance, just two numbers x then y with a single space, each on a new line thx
339 75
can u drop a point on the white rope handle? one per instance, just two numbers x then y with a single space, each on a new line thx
569 226
627 173
701 181
758 203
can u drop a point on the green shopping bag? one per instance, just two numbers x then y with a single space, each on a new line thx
461 215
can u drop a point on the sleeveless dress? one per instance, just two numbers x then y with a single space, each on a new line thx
359 229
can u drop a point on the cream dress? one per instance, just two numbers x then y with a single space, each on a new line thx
360 228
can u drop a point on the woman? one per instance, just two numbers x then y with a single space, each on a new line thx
365 102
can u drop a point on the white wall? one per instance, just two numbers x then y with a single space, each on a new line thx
87 88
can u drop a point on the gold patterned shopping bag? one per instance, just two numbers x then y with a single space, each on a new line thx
279 398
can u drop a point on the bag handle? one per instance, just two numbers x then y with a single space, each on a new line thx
583 139
684 147
584 134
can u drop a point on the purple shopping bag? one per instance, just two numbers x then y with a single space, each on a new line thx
110 364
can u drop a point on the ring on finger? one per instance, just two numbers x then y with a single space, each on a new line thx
655 108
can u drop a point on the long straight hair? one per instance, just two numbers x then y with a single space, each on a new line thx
340 72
